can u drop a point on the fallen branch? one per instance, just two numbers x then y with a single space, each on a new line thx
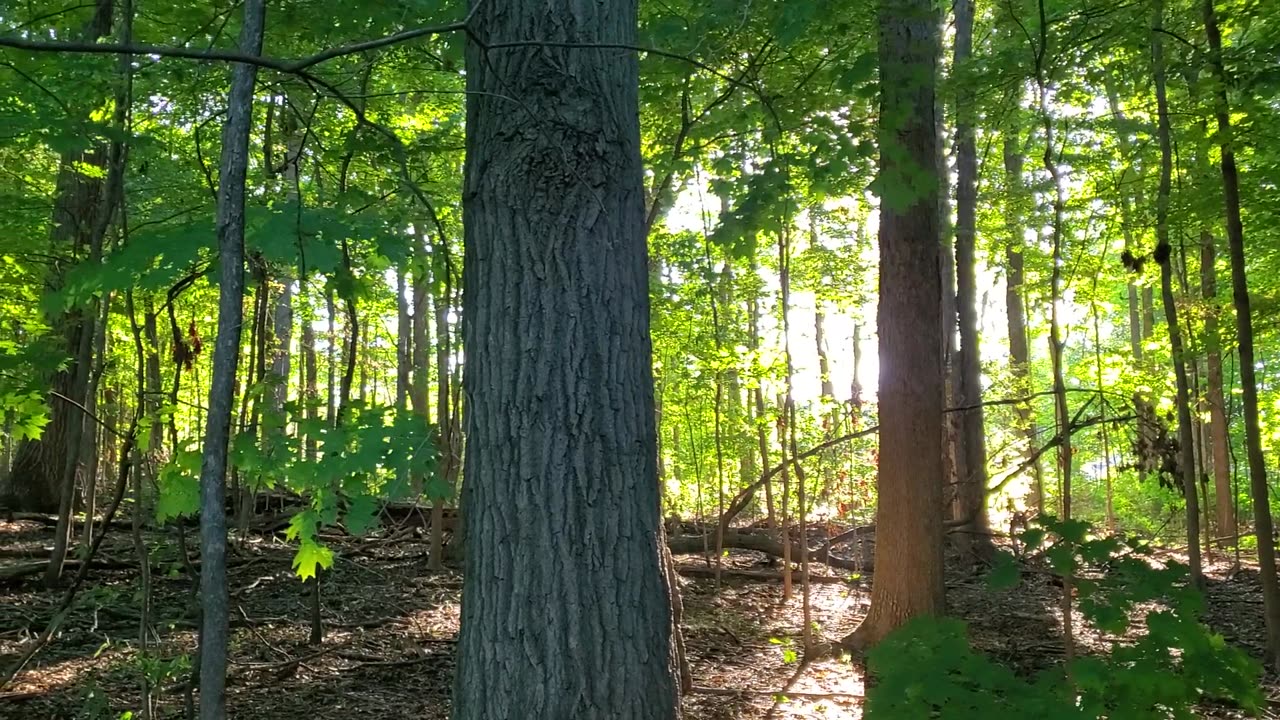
735 692
126 462
770 545
754 575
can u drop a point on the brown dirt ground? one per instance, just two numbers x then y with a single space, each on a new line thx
390 624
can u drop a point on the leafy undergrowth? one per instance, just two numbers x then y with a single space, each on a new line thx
390 624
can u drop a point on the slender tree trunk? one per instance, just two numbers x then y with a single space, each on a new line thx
909 571
404 339
310 393
1127 178
762 435
420 380
1262 524
230 230
1219 428
971 494
1057 343
1019 347
331 357
561 448
1163 255
444 424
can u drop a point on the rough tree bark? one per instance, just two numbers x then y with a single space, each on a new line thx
566 609
226 354
39 464
909 579
1244 331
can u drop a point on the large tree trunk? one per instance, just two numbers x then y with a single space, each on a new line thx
40 464
1163 255
566 610
1244 330
971 495
230 230
909 577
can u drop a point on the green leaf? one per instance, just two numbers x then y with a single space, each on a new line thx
179 494
310 557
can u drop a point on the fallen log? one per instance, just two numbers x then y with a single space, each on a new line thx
770 545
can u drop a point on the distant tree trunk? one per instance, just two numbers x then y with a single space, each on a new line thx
404 339
561 446
909 571
310 394
953 458
331 357
971 494
1148 312
39 465
282 314
1057 344
1244 330
1136 334
762 436
230 230
1019 346
1219 428
820 345
419 347
444 424
855 388
1163 255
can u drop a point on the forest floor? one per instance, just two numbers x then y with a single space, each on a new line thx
390 624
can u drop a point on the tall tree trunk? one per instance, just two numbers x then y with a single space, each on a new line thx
1057 342
404 339
419 347
1019 346
562 506
1262 524
1219 428
82 437
909 573
331 356
1163 255
1136 334
39 464
762 436
282 313
310 392
226 353
820 346
971 495
444 424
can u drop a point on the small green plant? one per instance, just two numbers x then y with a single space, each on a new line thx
928 669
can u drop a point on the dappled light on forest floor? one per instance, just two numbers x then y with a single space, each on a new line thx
390 626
